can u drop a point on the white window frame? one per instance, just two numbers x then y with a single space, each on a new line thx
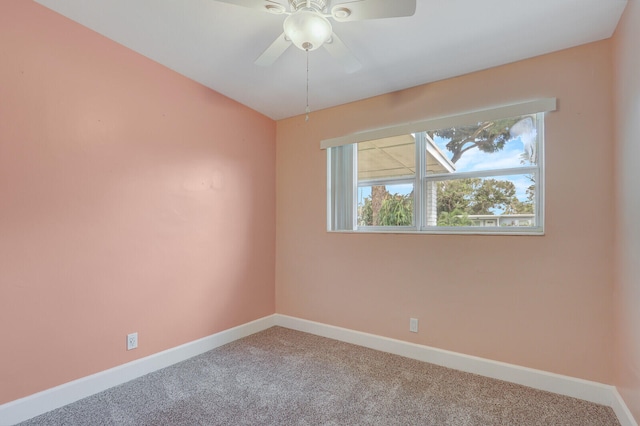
342 181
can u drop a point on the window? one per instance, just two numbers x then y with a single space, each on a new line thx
478 172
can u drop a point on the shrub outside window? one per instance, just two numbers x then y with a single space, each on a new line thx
483 175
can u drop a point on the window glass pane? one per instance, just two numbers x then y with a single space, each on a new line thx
387 158
385 205
488 145
487 202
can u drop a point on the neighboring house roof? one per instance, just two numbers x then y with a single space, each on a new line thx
395 157
437 161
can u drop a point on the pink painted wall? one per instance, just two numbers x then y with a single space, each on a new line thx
541 302
131 199
627 289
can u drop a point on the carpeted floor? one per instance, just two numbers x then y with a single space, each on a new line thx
284 377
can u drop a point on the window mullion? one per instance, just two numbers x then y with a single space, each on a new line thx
484 173
385 181
418 190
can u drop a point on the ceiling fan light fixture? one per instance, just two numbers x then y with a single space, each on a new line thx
307 29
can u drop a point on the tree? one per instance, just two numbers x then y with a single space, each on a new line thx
365 213
479 196
456 217
455 194
396 210
492 194
385 209
379 193
487 136
518 206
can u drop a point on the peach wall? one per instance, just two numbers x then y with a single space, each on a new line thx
627 290
541 302
131 199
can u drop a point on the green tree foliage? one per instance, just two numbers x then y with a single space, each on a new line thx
487 136
457 199
394 210
492 194
479 196
365 213
456 217
397 210
518 206
455 194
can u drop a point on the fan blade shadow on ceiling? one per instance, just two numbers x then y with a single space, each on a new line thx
372 9
273 52
342 54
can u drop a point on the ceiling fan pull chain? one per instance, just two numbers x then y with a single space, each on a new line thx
308 110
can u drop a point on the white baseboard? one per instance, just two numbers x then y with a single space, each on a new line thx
50 399
622 411
25 408
564 385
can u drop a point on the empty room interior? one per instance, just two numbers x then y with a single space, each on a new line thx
196 206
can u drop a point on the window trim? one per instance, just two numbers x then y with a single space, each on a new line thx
444 122
539 106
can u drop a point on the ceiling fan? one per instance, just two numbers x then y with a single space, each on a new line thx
307 24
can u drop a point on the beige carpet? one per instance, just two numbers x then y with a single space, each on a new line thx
285 377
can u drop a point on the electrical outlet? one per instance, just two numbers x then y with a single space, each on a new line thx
132 341
413 325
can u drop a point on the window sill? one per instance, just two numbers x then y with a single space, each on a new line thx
538 231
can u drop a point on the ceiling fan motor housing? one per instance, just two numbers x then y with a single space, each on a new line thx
317 5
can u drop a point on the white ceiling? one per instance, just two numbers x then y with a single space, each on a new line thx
216 44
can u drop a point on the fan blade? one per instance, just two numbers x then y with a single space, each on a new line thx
372 9
341 52
273 52
264 5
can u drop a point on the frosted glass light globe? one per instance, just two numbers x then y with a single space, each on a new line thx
307 30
